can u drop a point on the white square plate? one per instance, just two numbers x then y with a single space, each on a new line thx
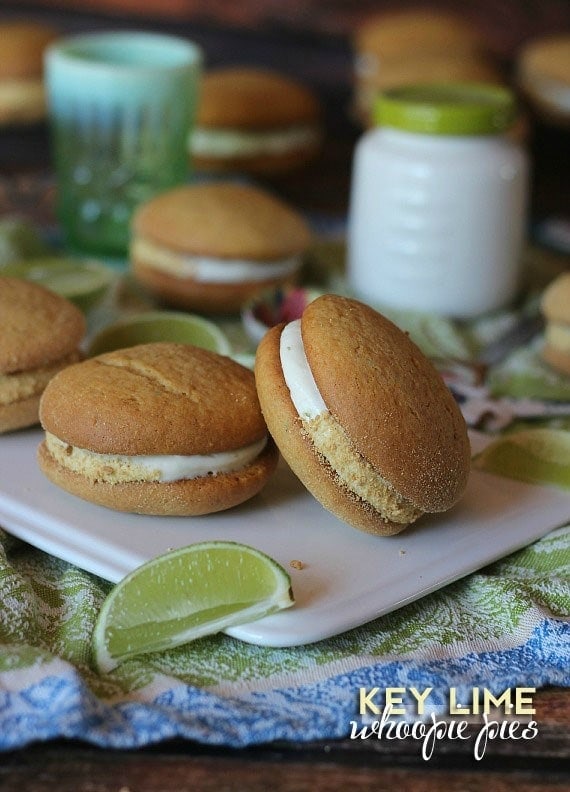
347 577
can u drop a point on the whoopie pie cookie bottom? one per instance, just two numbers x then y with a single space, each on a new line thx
182 498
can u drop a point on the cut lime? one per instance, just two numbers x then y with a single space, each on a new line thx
538 456
85 283
145 328
19 240
185 594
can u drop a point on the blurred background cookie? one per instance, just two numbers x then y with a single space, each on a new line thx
22 46
543 72
41 333
416 46
555 307
211 247
158 428
254 121
361 416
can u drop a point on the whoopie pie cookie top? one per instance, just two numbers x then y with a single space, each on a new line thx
417 31
390 400
23 45
39 327
248 98
223 220
555 304
158 398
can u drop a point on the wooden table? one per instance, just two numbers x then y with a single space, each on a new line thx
540 764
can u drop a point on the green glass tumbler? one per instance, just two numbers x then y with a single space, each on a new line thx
121 107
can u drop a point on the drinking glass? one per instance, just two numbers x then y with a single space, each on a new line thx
121 108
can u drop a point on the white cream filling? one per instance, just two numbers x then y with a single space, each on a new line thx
204 269
25 384
329 438
366 64
298 375
159 467
224 143
21 93
550 90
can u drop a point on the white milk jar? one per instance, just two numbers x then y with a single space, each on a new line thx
438 202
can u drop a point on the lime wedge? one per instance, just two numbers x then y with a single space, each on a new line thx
85 283
150 326
538 456
185 594
19 239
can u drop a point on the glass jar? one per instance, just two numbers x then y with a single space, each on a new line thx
438 202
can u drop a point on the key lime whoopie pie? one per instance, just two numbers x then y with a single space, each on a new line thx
361 416
555 307
415 46
22 94
543 71
161 428
40 334
211 247
254 121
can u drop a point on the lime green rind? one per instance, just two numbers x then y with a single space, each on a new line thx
436 336
537 456
525 375
84 283
153 326
19 240
177 632
529 386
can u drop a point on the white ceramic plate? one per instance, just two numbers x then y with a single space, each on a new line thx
348 578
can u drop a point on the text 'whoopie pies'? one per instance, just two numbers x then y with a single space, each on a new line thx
361 416
161 428
40 333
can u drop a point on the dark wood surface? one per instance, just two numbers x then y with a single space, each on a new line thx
323 61
336 765
505 24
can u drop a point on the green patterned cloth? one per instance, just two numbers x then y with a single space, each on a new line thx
506 625
502 627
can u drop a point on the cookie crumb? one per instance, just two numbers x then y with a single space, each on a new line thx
296 564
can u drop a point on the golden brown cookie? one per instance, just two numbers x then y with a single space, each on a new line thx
555 307
22 46
255 121
158 428
361 416
543 67
420 69
416 46
41 333
211 247
391 34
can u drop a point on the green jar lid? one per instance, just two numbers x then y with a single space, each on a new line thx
447 108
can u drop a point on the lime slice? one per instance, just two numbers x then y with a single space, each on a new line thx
538 456
185 594
150 326
85 283
19 239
